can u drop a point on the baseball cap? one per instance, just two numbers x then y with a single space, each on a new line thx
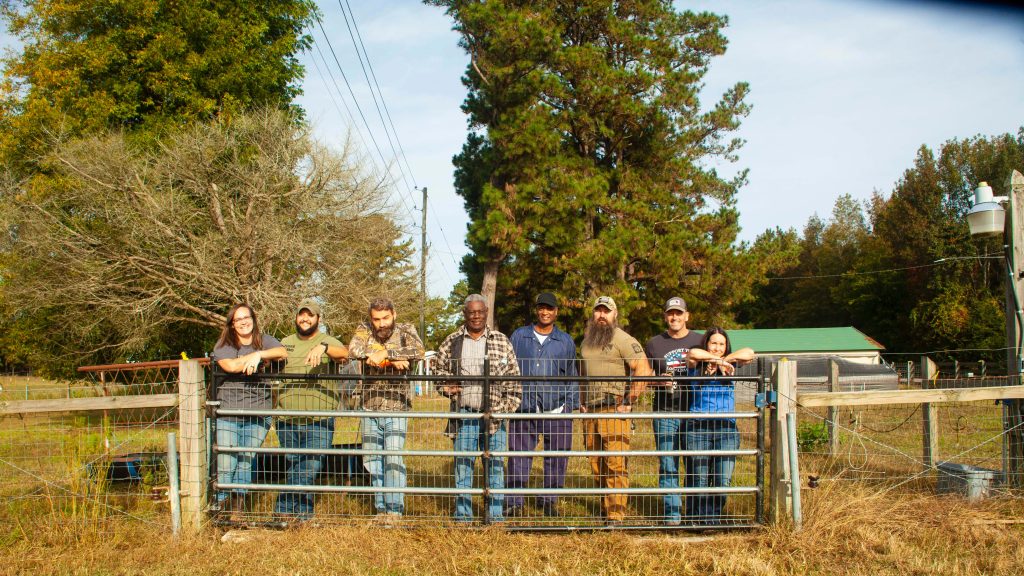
548 299
607 302
311 305
675 303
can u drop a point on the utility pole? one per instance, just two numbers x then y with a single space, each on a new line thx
423 269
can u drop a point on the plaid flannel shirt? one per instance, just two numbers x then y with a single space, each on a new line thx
505 395
404 344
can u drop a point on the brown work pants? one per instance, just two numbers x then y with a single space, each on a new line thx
609 471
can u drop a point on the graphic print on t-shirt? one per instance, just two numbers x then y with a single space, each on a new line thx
676 359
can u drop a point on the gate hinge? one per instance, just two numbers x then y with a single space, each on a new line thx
767 398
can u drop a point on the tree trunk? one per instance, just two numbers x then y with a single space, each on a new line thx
489 286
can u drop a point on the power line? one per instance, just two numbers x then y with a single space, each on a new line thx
359 109
383 103
348 112
867 272
374 83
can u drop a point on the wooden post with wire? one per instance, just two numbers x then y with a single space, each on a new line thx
785 402
929 416
192 443
833 411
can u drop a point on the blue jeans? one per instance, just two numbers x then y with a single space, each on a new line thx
302 468
468 438
236 467
710 471
670 434
385 471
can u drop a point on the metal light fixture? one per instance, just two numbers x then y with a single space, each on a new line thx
987 216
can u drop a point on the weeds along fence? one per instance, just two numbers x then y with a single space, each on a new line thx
86 450
939 430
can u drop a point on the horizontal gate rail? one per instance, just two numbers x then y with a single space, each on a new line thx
885 397
494 415
474 453
479 491
98 403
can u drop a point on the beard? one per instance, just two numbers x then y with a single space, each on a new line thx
307 332
598 335
383 334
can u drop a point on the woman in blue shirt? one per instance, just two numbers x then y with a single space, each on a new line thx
713 358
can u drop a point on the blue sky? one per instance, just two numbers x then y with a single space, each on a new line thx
843 95
843 92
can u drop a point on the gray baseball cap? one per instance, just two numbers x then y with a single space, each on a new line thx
675 303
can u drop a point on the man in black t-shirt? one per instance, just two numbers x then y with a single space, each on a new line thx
667 353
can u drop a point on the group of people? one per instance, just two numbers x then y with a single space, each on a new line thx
540 351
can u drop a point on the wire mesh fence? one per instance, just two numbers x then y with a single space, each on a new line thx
60 464
439 455
943 446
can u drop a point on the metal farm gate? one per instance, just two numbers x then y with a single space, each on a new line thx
323 475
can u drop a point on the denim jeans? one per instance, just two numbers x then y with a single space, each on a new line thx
670 434
236 467
522 436
468 438
302 468
386 471
710 471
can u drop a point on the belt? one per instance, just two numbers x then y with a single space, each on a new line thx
608 401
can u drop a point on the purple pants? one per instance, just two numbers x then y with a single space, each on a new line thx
522 437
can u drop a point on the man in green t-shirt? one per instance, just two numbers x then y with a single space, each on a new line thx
308 352
608 350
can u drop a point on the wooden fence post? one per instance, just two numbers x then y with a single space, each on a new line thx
192 443
929 415
833 411
785 388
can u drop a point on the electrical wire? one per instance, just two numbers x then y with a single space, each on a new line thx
886 270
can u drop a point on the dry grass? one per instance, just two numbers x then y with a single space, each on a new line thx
848 530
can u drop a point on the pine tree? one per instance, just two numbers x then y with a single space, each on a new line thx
587 172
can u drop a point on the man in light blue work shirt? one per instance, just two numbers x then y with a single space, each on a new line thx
543 350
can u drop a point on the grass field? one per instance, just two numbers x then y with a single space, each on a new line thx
863 519
847 531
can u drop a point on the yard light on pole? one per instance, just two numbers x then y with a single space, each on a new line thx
985 217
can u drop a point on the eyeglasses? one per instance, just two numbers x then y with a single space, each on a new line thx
476 313
242 319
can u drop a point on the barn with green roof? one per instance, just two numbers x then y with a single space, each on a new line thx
858 355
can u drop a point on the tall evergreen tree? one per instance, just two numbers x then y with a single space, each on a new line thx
588 172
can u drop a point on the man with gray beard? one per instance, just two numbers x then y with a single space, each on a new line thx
608 350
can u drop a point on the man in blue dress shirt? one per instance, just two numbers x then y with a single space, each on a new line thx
543 350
